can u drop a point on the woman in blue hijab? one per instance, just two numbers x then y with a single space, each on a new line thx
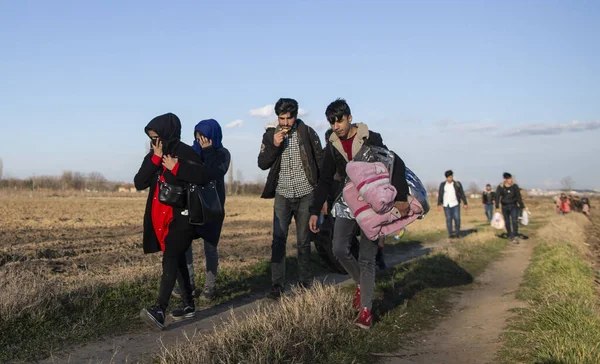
208 143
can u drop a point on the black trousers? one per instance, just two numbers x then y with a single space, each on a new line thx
511 220
175 269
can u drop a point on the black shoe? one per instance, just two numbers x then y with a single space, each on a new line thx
154 316
208 294
183 312
275 292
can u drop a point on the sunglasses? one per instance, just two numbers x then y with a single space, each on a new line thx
154 140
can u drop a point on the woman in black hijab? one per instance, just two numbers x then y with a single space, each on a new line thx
167 228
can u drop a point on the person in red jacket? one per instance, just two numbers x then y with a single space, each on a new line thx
564 204
166 227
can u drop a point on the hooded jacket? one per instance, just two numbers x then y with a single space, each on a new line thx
189 169
270 156
333 167
217 159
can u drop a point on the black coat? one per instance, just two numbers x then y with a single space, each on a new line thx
168 128
458 189
216 161
270 156
488 198
509 196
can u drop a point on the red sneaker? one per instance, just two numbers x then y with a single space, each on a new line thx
364 320
356 300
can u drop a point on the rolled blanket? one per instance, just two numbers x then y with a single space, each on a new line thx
372 180
376 225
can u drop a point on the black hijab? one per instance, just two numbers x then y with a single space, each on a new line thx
168 128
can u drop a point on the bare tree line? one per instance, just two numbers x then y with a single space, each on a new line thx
69 180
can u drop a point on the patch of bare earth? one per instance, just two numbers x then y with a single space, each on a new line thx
471 334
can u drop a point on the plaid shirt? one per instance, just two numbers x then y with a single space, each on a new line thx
292 178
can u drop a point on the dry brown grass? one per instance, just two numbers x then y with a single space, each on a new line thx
300 328
57 242
51 245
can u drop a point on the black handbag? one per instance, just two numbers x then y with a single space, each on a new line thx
204 205
172 195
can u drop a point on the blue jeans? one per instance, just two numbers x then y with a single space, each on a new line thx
284 210
452 213
489 211
211 255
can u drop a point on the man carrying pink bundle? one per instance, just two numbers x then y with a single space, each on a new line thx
371 198
344 144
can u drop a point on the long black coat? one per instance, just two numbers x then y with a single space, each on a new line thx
216 162
168 127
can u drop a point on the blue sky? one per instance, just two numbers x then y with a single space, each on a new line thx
480 87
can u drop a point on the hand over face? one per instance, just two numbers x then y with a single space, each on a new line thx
169 162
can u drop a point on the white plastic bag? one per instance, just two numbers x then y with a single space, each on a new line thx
524 218
498 221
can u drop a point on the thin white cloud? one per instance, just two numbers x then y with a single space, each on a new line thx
235 124
268 112
320 125
302 112
265 112
449 125
551 128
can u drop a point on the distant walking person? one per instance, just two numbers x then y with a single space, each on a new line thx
292 153
488 200
509 195
585 207
564 204
450 195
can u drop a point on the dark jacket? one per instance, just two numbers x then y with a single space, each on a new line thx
488 198
216 159
460 193
191 170
270 156
333 168
509 196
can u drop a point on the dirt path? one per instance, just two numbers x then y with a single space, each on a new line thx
472 333
130 348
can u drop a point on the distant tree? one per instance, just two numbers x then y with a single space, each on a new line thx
239 188
79 181
1 166
96 181
473 188
67 180
567 183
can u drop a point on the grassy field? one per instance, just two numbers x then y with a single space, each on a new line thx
561 323
72 267
316 325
